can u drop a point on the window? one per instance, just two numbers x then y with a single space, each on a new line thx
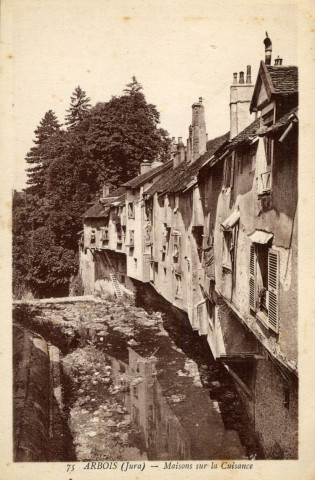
229 171
93 236
147 235
227 250
123 232
176 247
165 241
268 118
131 238
119 233
131 210
199 238
230 234
263 284
178 286
268 142
104 236
243 158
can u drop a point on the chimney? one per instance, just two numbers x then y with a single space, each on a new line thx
180 154
278 61
197 132
106 189
268 50
248 74
145 166
240 98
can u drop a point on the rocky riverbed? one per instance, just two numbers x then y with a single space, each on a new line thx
132 390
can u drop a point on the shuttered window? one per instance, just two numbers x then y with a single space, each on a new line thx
229 171
273 290
252 278
264 295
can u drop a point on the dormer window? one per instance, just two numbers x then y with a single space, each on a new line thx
268 118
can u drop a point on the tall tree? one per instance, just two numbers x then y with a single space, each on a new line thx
123 132
133 87
79 107
107 142
45 149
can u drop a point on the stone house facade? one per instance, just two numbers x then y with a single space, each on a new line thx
214 231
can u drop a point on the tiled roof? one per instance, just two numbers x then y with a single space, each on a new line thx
145 177
97 210
284 79
100 208
178 178
245 134
251 130
116 193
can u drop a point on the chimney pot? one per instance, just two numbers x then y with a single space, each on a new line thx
241 78
278 61
200 99
234 78
268 50
248 75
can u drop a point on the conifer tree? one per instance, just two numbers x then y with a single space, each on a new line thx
133 87
79 107
43 152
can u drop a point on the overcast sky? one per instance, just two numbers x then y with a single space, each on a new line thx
177 50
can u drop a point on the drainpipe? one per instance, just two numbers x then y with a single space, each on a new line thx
286 132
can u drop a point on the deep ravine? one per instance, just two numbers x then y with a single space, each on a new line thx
140 385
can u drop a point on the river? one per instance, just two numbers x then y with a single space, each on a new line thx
141 384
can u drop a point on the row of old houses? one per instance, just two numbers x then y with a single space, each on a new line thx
214 232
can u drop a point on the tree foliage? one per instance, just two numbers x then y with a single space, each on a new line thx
68 167
44 151
79 107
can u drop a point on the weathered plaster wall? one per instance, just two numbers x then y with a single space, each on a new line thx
135 254
275 215
275 420
87 271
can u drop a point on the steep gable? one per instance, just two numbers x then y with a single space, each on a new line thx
277 80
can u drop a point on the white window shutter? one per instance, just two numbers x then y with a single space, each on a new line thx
273 290
252 278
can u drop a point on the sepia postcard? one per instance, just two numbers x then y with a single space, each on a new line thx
157 239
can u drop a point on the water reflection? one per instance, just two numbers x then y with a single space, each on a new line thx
164 434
